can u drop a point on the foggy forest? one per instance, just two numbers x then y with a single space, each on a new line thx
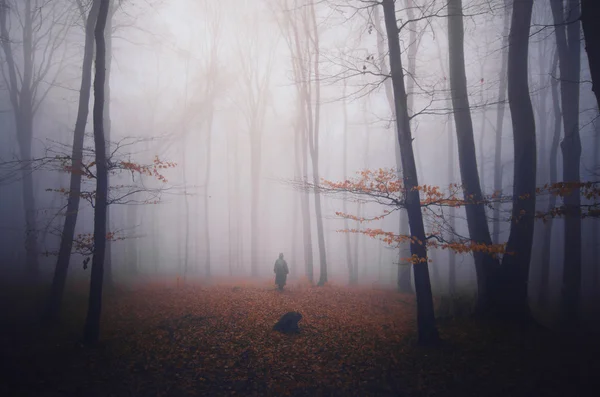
299 197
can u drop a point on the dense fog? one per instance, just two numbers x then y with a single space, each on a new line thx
299 197
212 87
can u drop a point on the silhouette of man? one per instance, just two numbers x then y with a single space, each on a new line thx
281 271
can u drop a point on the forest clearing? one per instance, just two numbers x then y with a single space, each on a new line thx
426 173
162 339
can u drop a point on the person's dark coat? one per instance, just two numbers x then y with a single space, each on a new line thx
281 271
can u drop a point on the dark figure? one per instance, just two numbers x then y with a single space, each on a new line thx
288 323
281 271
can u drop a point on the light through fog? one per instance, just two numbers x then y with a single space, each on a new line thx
294 197
210 86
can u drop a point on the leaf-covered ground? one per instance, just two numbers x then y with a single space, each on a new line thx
164 340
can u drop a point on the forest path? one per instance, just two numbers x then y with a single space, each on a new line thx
218 340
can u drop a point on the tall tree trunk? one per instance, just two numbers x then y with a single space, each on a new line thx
595 226
313 144
452 210
349 261
254 197
542 299
482 135
237 213
500 123
451 177
425 313
403 281
107 127
230 204
590 14
476 218
22 101
413 46
569 61
66 242
91 332
540 110
186 200
206 195
132 244
514 273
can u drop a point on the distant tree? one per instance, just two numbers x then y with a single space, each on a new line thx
297 34
39 28
314 97
254 83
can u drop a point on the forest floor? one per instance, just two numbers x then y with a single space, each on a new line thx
199 340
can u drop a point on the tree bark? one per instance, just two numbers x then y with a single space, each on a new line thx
303 139
476 218
107 128
403 281
427 330
22 101
66 242
92 322
313 143
514 273
209 127
542 298
500 124
590 15
568 46
351 277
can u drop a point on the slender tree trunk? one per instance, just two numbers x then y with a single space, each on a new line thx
553 175
107 127
132 244
452 210
66 242
425 313
500 123
92 322
413 46
482 137
349 258
476 218
230 203
294 255
590 15
514 273
254 197
540 111
568 46
237 212
186 200
313 145
403 281
595 226
22 101
206 195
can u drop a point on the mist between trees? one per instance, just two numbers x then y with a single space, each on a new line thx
444 148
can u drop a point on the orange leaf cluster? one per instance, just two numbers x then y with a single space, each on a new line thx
153 169
382 180
461 247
